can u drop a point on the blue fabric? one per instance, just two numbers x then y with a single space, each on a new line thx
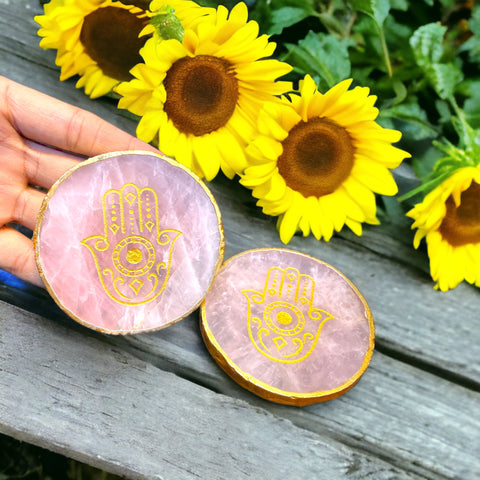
12 281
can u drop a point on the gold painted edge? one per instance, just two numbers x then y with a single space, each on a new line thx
98 158
265 390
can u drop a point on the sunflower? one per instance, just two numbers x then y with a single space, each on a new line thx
96 39
198 98
100 39
319 158
449 219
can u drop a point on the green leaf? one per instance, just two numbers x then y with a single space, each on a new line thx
444 78
415 124
286 17
399 5
428 49
376 9
471 107
400 90
427 44
323 55
472 45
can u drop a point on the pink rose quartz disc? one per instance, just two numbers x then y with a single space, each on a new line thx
128 242
287 326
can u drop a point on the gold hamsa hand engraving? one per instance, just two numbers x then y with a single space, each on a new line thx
133 256
283 324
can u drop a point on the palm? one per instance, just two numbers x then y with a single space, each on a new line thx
13 173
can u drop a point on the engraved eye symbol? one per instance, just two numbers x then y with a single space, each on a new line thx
284 318
134 256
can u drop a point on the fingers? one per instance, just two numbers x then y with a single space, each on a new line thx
45 165
39 117
18 256
27 207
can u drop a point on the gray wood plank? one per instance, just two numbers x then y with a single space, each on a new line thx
418 421
71 392
415 420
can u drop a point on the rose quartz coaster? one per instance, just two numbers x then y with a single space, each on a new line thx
128 242
288 327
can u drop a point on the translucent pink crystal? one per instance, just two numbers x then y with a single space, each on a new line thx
284 321
129 243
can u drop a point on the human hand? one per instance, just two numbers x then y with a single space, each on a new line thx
40 139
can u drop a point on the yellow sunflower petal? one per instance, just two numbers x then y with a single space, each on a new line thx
232 150
269 148
326 222
304 226
374 176
354 226
167 134
333 154
277 189
228 171
335 212
447 219
207 157
230 45
290 220
314 217
362 195
66 26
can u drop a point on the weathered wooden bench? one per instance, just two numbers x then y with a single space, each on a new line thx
156 406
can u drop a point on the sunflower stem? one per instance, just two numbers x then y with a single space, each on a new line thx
386 55
468 135
430 185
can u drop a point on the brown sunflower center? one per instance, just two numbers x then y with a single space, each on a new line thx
317 157
461 224
110 37
202 94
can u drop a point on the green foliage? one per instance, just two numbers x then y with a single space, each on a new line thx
427 44
286 17
377 9
472 45
428 49
322 56
419 57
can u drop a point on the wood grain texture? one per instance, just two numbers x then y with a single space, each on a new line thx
157 406
396 411
72 392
